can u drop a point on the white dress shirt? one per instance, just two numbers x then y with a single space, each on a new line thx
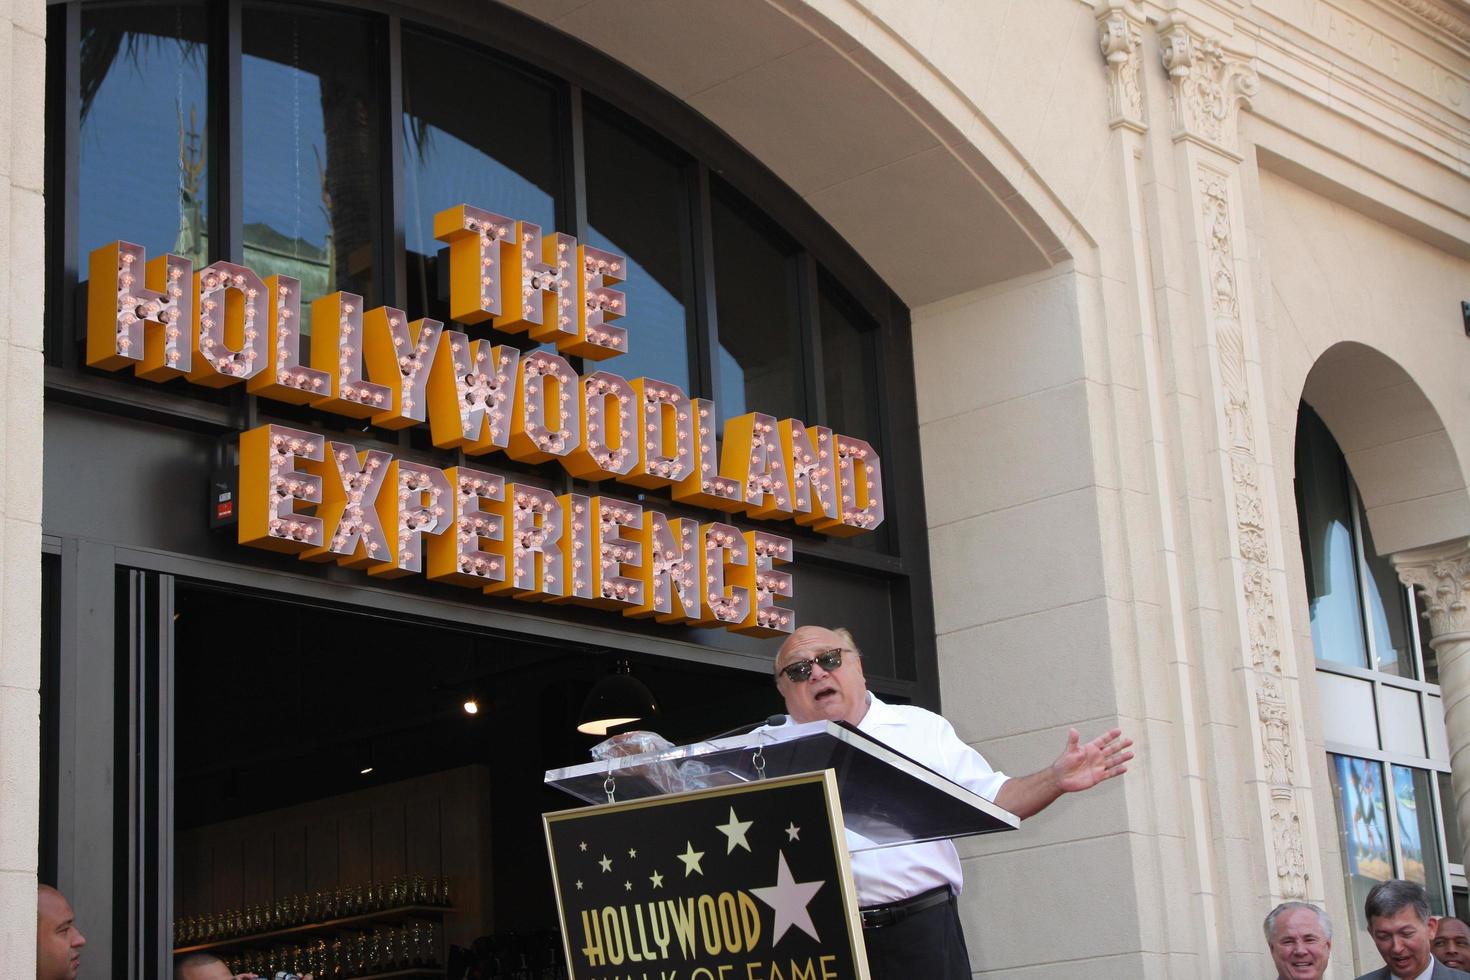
889 874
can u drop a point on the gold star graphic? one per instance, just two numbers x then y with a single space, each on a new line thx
690 857
734 832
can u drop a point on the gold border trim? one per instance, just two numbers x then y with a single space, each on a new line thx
835 826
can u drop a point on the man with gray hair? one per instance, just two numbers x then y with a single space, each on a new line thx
1403 930
1300 938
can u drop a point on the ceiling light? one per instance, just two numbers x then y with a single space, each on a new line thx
617 699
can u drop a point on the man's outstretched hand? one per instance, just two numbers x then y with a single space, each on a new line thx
1082 765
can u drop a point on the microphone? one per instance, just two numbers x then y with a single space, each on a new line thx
774 721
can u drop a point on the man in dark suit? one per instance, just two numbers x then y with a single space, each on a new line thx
1403 930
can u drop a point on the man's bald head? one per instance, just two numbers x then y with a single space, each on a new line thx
58 940
808 636
202 966
1451 945
838 693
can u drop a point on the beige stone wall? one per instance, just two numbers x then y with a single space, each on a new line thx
1117 305
22 63
1098 257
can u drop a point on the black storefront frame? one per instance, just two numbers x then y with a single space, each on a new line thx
113 713
536 48
109 838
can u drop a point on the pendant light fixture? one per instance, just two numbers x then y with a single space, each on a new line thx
617 699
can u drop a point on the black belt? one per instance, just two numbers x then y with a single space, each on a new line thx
879 916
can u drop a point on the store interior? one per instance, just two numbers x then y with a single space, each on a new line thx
339 809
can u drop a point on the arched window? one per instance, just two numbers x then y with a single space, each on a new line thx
318 141
1377 679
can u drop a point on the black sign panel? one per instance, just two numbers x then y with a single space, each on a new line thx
747 882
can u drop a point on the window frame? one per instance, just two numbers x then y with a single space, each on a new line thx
1452 872
573 68
92 830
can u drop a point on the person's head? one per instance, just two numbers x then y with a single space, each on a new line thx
1451 944
1401 926
1300 938
58 940
201 966
828 681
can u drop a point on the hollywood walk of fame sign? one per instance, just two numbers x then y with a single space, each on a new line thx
745 882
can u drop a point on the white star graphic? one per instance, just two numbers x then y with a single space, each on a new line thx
657 879
627 886
632 852
793 832
579 884
734 832
690 857
789 898
606 863
582 846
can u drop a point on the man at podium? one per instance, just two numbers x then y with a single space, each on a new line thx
911 923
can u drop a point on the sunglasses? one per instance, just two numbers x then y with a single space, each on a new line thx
801 670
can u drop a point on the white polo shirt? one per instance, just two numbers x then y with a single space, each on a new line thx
889 874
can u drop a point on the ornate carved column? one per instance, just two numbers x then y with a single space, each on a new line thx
1441 574
1120 36
1209 83
1123 38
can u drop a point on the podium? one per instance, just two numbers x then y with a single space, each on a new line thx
887 798
730 858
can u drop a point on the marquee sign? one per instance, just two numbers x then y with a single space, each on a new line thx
750 882
322 499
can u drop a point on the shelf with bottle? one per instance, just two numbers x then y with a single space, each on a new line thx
383 917
411 949
371 902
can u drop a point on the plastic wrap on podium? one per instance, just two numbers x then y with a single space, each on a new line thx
887 798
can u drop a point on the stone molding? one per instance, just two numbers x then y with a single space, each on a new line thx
1208 85
1120 37
1441 574
1274 711
1452 18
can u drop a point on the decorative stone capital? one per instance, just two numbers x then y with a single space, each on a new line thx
1441 573
1120 36
1208 84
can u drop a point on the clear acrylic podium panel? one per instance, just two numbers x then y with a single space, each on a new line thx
887 798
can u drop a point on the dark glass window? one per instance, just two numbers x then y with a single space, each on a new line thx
1427 652
849 381
1418 836
313 179
1452 843
756 299
637 206
1328 551
144 124
502 155
849 366
1349 584
1387 608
